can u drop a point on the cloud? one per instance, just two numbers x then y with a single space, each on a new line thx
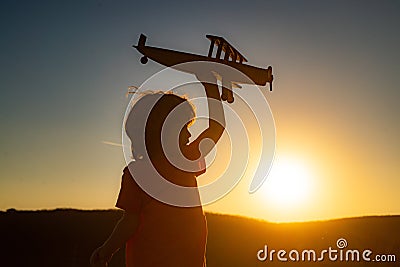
111 143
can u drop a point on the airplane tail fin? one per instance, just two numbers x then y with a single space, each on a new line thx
142 41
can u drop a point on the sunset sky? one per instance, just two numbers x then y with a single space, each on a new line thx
66 66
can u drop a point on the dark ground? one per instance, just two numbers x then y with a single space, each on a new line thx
66 237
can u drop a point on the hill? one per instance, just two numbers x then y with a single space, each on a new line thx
65 237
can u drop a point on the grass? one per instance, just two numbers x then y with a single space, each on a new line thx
66 237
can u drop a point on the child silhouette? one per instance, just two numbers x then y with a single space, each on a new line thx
157 233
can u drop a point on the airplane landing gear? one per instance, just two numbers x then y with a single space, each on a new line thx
144 60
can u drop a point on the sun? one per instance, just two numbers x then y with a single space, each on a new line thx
288 183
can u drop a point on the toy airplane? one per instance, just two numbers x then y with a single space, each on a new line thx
232 58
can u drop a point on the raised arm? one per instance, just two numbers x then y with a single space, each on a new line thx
216 116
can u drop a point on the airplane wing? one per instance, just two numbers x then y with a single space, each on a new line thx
223 45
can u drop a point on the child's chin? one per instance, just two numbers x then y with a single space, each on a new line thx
183 144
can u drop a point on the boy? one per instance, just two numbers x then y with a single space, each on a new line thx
157 233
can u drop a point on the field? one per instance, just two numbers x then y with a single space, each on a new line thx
65 237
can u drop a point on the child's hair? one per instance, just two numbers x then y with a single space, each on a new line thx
146 118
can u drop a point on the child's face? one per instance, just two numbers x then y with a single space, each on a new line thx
175 133
184 136
182 118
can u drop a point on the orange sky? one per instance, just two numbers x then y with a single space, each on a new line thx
335 99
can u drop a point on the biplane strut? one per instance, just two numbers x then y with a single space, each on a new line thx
232 57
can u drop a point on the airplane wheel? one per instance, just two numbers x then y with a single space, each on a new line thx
224 97
144 60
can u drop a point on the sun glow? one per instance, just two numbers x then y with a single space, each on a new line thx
288 184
